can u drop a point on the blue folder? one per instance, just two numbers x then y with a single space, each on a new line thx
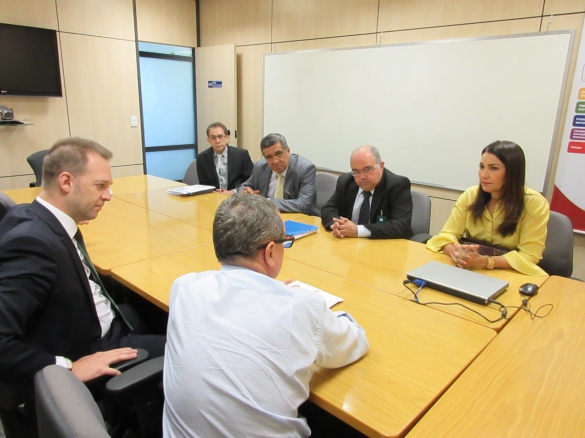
299 229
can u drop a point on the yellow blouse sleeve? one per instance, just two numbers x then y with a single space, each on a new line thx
455 226
532 235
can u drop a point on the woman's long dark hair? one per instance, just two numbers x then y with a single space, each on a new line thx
512 156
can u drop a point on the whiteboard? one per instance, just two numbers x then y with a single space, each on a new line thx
430 108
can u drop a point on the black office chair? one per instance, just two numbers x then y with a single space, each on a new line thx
421 217
557 258
66 408
6 203
134 400
17 404
36 163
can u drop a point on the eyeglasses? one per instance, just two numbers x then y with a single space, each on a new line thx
278 154
217 137
287 242
364 171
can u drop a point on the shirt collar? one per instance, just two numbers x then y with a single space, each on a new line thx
233 268
224 153
360 190
283 173
64 219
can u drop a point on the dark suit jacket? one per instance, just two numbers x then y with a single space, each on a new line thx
391 196
300 193
240 167
46 305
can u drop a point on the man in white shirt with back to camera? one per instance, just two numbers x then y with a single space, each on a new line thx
240 344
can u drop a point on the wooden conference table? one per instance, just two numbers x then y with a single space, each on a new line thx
528 382
381 264
146 238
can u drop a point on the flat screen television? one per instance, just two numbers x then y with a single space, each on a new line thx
29 62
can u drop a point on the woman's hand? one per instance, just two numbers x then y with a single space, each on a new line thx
465 256
474 258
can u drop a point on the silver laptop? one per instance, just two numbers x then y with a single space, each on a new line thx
462 283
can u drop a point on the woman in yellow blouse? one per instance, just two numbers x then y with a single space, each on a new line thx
500 211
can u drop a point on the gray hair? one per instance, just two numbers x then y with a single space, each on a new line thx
271 140
243 223
70 155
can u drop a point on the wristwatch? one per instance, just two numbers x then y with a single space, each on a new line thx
491 263
68 364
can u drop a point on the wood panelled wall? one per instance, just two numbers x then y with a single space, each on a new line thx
97 44
258 27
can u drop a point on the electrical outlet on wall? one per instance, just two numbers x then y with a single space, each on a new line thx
133 121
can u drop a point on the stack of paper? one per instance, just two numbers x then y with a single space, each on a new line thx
197 189
330 299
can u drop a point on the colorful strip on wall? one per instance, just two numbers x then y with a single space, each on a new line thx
569 190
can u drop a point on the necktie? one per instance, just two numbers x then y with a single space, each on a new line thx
221 171
364 217
279 188
95 276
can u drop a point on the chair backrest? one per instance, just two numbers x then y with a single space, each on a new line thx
557 258
421 213
65 407
6 203
36 163
191 177
325 184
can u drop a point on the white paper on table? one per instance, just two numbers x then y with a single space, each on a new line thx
330 299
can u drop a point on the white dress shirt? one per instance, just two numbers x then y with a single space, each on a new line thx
239 352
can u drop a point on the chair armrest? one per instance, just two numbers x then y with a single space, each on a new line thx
137 395
136 376
130 363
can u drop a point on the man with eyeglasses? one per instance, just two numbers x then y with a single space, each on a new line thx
223 166
370 201
240 344
287 180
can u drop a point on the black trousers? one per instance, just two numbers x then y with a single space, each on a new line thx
118 336
325 425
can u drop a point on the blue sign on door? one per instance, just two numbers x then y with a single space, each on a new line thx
214 84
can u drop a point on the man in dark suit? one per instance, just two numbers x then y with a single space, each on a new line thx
370 201
222 166
287 180
53 309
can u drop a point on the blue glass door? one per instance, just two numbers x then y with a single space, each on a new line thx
168 109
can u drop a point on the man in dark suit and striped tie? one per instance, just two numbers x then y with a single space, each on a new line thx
223 166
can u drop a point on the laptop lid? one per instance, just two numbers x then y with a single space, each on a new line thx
461 283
